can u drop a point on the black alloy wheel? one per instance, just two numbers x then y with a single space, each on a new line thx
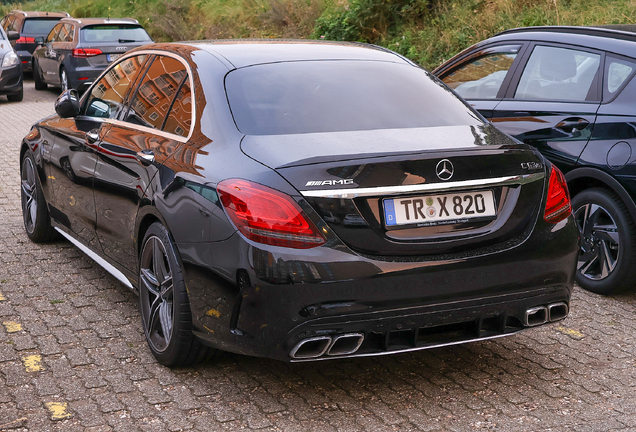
37 77
606 262
164 304
37 222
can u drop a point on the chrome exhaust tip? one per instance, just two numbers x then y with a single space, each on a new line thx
345 344
311 347
536 316
557 311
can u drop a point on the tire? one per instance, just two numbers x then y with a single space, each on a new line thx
16 97
35 214
64 85
163 302
607 260
39 84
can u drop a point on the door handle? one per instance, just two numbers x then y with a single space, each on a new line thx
572 124
146 157
92 137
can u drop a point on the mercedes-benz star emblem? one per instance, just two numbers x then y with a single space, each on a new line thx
444 169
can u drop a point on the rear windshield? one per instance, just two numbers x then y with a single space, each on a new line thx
331 96
39 26
114 33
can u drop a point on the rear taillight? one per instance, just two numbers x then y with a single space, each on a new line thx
25 40
86 52
557 206
267 216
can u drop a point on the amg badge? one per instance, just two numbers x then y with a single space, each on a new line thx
329 182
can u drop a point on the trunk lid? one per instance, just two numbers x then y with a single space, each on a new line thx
357 181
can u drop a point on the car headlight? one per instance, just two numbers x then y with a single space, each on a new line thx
10 59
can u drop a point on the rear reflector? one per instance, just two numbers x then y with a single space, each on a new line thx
557 206
268 216
25 40
83 78
86 52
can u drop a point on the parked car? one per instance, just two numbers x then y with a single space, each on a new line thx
28 26
76 51
211 179
10 70
569 91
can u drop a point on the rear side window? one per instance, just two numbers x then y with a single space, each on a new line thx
165 80
481 78
114 33
330 96
51 36
617 72
39 26
107 96
560 74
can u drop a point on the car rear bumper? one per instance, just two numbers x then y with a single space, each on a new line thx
10 80
395 305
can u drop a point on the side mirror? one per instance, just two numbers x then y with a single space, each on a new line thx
67 104
39 40
13 35
81 89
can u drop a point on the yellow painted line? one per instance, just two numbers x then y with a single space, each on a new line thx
12 326
214 313
32 363
570 332
2 297
58 410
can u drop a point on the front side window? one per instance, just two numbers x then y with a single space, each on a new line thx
559 74
107 96
53 33
481 78
156 93
617 72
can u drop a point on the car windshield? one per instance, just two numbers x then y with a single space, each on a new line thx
332 96
41 26
114 33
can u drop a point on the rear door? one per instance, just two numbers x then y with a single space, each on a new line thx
47 56
155 124
552 101
63 47
482 77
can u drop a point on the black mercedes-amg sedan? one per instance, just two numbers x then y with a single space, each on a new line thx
300 201
569 92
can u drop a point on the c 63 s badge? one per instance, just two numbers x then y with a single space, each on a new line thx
329 182
531 165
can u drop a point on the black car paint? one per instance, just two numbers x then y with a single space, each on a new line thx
292 294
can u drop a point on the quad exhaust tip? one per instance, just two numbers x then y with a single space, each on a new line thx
338 345
541 314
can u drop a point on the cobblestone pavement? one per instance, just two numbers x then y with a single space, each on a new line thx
73 357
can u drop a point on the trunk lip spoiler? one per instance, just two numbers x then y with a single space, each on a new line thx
433 187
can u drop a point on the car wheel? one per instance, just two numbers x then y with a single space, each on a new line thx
39 84
16 97
164 304
37 222
63 80
607 260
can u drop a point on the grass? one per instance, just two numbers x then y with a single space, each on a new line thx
427 31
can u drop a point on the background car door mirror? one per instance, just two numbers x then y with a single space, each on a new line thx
67 104
13 35
39 40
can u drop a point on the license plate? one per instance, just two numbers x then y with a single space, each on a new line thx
112 57
430 210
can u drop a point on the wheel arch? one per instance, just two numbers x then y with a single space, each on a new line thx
584 178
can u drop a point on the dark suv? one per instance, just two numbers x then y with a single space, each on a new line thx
77 51
29 26
570 92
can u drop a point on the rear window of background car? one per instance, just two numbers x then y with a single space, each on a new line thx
331 96
40 26
114 33
617 72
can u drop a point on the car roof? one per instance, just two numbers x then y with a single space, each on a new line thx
247 52
82 22
619 39
41 14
